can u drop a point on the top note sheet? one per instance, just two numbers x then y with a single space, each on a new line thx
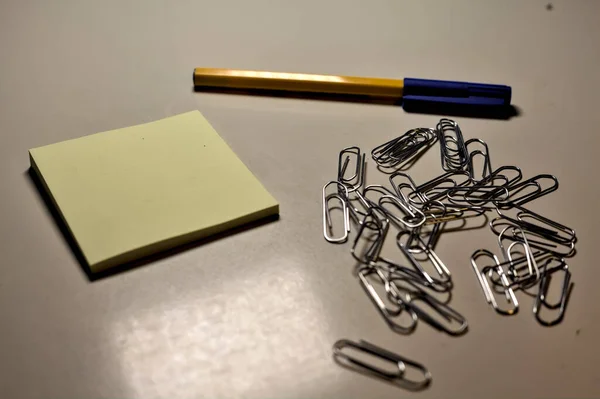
128 193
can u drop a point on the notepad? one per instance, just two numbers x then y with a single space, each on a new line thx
128 193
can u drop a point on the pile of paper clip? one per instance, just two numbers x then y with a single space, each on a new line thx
532 247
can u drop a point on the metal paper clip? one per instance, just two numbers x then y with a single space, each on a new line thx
540 225
373 192
405 149
442 309
541 301
432 258
414 277
397 363
357 214
504 176
437 188
437 219
477 196
518 269
327 224
370 238
388 314
408 185
535 239
485 286
412 217
534 273
529 190
482 152
356 180
453 150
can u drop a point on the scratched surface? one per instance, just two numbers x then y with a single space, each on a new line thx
254 314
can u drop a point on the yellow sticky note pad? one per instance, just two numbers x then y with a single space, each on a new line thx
131 192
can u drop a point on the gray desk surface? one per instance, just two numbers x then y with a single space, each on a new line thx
255 314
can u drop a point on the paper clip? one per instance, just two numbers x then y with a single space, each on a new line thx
389 314
485 286
541 300
404 150
452 146
397 363
483 152
327 224
355 181
442 309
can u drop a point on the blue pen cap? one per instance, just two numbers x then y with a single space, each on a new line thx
424 92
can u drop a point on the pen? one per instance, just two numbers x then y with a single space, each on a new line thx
411 91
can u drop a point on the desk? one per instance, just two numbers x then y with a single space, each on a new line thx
254 314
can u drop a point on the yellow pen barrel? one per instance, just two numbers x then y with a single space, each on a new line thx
298 82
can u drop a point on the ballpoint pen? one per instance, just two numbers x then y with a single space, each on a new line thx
412 92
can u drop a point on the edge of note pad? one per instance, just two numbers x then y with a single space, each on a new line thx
268 207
